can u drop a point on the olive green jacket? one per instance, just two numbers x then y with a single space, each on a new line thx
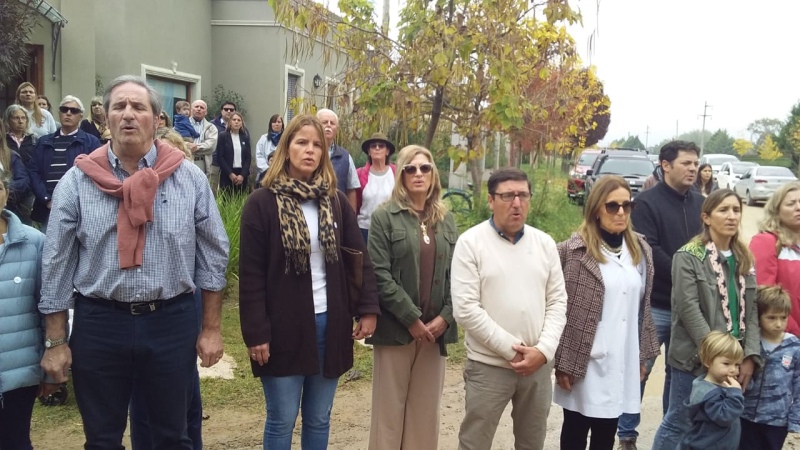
394 250
697 309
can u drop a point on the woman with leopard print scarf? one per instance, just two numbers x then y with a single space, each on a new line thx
293 299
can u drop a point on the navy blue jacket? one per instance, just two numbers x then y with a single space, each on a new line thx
39 165
224 154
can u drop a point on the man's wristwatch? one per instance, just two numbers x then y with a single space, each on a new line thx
50 343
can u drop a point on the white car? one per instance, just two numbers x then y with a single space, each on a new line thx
716 160
730 173
759 183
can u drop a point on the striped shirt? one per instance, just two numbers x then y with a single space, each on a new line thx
58 162
186 242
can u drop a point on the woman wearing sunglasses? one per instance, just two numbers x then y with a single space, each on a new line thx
712 289
376 178
608 274
411 241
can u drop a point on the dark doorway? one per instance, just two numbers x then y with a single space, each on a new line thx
34 74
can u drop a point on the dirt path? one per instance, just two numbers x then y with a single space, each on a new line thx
231 428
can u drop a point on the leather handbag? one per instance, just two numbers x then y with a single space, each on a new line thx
353 261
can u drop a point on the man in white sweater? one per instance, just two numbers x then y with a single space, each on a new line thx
508 294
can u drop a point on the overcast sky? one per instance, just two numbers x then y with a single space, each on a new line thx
660 60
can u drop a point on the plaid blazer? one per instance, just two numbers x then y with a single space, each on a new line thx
585 292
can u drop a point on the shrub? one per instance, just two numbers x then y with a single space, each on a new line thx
230 209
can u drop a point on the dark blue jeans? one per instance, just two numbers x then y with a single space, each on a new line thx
111 348
15 418
626 428
762 436
140 429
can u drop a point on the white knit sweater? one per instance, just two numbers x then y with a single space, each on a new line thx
505 294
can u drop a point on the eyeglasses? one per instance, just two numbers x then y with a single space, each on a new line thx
410 169
613 207
229 109
377 145
67 109
509 197
162 117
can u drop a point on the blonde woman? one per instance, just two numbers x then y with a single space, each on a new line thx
293 300
96 125
776 248
41 121
411 241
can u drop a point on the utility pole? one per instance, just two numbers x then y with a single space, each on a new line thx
646 137
703 132
385 25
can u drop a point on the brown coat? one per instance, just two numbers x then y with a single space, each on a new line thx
585 292
276 307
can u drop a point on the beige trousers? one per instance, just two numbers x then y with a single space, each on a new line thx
487 392
407 383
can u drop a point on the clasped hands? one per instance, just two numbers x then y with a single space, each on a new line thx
527 360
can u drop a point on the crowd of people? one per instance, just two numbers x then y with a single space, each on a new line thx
117 213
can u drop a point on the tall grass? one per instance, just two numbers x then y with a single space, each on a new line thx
230 209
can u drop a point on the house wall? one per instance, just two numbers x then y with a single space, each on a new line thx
250 57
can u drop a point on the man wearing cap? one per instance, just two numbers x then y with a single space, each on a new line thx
377 170
343 165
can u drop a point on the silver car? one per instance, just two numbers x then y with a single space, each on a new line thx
731 172
759 183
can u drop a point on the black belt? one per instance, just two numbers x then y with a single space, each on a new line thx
136 308
199 158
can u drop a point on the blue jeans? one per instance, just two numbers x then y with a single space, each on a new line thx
111 349
140 428
284 396
364 234
676 421
626 428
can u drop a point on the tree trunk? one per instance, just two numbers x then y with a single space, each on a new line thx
476 171
436 113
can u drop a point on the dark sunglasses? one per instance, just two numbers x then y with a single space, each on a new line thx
66 109
410 169
228 109
613 207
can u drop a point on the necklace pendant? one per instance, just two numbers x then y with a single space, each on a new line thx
426 239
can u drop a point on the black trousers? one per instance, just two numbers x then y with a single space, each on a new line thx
15 418
577 426
761 436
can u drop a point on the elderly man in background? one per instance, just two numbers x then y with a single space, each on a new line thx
204 146
54 155
343 165
134 227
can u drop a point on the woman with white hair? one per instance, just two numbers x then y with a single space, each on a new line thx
54 155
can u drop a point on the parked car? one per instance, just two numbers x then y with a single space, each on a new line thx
653 157
578 173
731 172
759 183
634 167
716 160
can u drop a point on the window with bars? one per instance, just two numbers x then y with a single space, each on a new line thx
292 81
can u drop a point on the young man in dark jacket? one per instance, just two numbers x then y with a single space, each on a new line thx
669 216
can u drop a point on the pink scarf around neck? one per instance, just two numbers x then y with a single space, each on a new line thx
138 193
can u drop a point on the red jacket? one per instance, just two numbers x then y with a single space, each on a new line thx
779 267
363 178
